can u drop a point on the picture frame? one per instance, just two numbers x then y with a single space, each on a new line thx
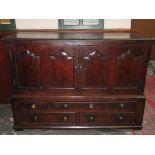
11 25
81 23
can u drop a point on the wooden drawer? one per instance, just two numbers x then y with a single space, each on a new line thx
49 118
107 119
63 106
34 106
126 106
122 106
77 106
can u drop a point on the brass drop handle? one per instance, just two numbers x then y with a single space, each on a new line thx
65 118
35 118
91 118
76 67
65 105
121 118
80 67
33 106
122 105
91 106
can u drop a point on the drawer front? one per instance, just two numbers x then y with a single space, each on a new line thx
62 106
77 106
107 119
49 118
124 106
128 106
34 106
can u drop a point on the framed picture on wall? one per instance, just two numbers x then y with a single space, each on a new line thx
7 24
81 23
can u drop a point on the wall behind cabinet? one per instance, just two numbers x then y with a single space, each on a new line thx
53 23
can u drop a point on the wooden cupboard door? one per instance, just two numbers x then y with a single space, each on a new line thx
92 68
130 69
27 67
61 67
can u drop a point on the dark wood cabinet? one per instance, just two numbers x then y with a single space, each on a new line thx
73 80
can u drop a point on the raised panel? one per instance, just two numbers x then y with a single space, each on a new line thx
129 66
93 73
27 67
61 68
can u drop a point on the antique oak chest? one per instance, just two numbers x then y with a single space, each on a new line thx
78 80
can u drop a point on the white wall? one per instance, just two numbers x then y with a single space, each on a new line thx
36 23
117 23
53 23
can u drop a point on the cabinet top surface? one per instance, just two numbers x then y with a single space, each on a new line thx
76 36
